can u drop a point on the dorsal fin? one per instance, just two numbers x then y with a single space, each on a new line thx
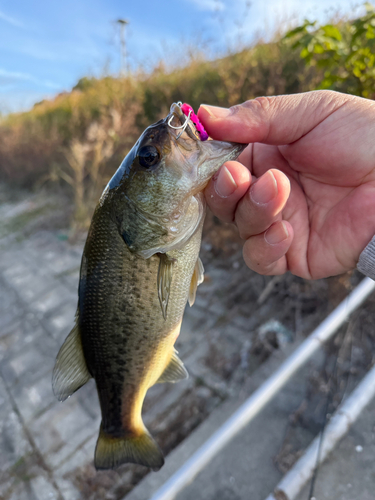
175 370
196 280
70 371
165 273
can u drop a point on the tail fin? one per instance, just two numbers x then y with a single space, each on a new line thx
111 452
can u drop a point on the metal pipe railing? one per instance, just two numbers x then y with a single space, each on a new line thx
293 482
255 403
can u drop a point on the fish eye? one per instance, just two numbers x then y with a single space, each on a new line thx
148 156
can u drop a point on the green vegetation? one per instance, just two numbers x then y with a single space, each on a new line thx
345 53
80 137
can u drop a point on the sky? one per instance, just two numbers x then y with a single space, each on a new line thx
46 46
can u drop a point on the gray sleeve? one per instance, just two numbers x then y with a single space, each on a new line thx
366 263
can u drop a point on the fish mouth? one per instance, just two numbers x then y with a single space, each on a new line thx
213 155
207 156
177 111
237 150
182 124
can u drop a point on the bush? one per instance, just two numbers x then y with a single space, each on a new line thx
345 53
81 137
32 142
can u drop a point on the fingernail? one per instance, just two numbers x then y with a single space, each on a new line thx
216 111
276 233
224 184
265 189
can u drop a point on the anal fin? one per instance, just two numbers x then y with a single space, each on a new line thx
70 371
175 370
140 449
196 280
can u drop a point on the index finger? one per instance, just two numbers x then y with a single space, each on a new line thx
271 120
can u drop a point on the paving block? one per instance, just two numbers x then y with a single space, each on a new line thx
43 489
63 261
8 319
28 479
63 429
33 397
52 299
40 242
13 441
30 363
18 269
71 280
60 321
8 297
30 285
20 491
88 400
22 366
65 473
19 336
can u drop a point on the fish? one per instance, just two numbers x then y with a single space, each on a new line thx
140 266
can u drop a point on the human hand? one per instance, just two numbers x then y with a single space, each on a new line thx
303 196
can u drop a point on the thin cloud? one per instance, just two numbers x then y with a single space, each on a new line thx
21 100
10 20
213 5
264 19
13 76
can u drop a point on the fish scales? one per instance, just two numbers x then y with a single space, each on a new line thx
139 268
115 280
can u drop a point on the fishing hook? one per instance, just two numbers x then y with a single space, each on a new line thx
180 126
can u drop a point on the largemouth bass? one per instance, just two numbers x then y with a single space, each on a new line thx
139 268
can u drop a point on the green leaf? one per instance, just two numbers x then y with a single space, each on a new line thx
358 33
324 63
318 49
300 29
294 32
332 32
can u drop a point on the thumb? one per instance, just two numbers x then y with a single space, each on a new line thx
272 120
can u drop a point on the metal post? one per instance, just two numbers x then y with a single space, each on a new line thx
124 66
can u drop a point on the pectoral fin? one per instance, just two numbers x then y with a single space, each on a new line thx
175 370
196 280
165 273
70 371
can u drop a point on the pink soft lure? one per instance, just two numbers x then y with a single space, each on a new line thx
186 108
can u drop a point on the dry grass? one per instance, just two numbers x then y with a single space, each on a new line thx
44 142
79 138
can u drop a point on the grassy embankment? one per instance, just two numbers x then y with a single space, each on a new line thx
80 137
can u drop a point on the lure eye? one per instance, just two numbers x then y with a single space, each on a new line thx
148 156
